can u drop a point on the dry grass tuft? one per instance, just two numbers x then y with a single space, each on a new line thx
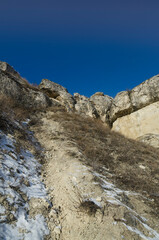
11 112
89 207
31 86
122 157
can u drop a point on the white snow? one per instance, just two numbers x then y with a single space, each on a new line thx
96 202
155 235
2 209
20 175
25 228
113 196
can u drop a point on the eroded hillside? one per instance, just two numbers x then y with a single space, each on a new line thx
102 185
64 174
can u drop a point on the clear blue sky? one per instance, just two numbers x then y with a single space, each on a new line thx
86 46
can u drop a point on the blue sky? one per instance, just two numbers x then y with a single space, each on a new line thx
86 46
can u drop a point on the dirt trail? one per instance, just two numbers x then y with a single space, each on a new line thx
85 204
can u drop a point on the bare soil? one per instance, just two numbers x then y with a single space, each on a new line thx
102 185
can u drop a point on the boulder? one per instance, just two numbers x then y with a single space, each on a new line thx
84 106
130 101
145 93
150 139
58 92
121 105
102 103
141 122
5 67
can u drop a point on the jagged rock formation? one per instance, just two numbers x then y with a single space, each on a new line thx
135 113
85 106
66 176
56 91
139 123
130 101
102 104
17 88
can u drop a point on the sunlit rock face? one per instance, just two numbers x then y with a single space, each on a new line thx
5 67
18 89
102 104
58 92
130 101
84 106
150 139
139 123
135 113
121 106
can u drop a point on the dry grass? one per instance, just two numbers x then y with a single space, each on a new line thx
123 157
6 112
28 85
11 112
83 204
89 207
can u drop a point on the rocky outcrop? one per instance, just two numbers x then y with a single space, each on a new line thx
130 101
102 104
97 106
135 113
5 67
57 92
17 88
84 106
150 139
146 93
139 123
121 106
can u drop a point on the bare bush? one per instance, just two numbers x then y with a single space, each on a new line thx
31 86
11 112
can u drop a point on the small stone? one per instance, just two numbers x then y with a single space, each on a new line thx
57 230
74 179
142 167
98 199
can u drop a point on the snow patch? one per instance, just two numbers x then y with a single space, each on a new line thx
25 228
113 195
19 182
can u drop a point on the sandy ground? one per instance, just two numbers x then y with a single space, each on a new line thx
85 204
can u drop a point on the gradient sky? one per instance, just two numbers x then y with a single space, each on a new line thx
86 46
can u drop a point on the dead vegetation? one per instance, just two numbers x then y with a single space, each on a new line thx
26 84
134 166
89 207
11 112
12 116
83 204
7 113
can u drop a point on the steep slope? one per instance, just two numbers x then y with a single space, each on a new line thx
64 174
100 189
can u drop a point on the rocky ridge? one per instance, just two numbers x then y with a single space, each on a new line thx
127 108
95 184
